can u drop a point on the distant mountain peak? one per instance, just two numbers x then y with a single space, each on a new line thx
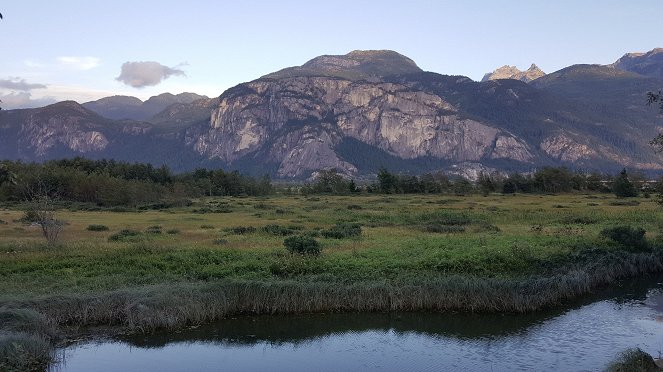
128 107
512 72
648 63
356 65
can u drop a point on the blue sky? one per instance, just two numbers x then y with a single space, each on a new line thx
75 49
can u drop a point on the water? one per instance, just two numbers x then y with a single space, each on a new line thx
584 336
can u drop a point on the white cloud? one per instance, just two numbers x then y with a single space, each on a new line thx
17 83
17 100
147 73
79 63
33 64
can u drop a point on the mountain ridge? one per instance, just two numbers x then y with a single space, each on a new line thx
382 108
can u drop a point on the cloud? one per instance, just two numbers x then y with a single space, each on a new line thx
144 74
19 84
23 100
79 63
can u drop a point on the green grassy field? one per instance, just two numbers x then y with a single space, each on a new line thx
495 237
225 256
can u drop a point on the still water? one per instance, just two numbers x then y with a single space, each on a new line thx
583 336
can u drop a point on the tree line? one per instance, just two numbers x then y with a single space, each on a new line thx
116 183
544 180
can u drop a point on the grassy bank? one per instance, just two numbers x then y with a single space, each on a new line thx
223 257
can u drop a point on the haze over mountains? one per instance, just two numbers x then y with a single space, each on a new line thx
363 110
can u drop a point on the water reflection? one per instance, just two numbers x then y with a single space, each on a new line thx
584 335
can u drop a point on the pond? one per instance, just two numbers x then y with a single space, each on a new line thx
583 336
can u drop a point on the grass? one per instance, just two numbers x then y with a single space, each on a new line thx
633 360
435 253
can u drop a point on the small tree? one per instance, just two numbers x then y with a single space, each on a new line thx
43 211
622 187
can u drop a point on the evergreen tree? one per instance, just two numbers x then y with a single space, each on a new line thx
622 187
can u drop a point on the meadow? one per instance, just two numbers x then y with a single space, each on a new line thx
153 269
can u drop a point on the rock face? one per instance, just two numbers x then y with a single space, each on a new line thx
299 121
68 125
647 64
512 72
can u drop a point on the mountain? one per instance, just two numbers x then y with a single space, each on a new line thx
126 107
647 64
67 129
365 110
356 65
512 72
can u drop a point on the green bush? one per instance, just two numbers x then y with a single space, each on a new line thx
278 230
206 227
97 228
304 245
173 231
627 236
342 231
123 235
241 230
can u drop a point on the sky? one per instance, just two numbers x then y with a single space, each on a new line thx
84 50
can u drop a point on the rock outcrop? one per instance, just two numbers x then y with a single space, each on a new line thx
512 72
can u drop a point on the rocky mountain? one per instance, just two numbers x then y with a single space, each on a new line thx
365 110
647 64
356 65
512 72
126 107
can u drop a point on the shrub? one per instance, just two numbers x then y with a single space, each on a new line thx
627 236
633 360
122 235
625 203
97 228
206 227
343 230
156 229
355 207
241 230
173 231
304 245
278 230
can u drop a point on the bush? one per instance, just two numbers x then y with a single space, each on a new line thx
97 228
355 207
343 230
173 231
304 245
156 229
633 360
278 230
123 235
206 227
241 230
627 236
